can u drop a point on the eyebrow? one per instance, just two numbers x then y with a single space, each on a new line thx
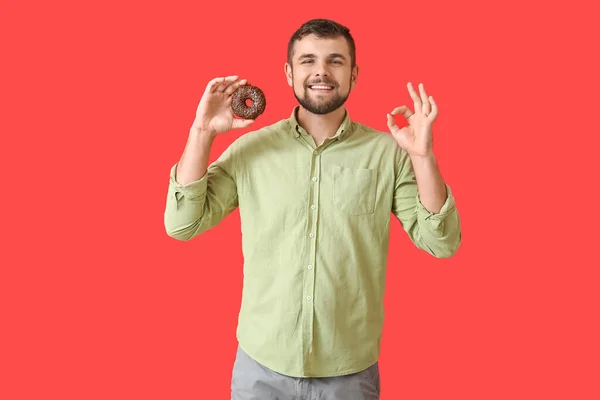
330 56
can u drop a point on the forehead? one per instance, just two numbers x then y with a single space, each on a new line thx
312 44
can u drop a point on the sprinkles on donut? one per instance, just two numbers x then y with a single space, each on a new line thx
252 93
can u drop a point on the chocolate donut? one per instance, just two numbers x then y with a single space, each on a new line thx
243 93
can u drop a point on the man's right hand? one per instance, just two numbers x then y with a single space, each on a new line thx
214 114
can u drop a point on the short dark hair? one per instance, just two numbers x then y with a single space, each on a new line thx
323 28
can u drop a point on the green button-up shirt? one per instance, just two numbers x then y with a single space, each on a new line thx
315 226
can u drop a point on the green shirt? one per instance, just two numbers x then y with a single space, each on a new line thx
315 229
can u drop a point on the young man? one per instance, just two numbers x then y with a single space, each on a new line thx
315 194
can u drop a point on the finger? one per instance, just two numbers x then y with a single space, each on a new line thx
232 88
426 108
404 110
241 123
391 123
210 87
415 97
434 109
226 82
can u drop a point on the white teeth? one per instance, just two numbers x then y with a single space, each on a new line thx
321 87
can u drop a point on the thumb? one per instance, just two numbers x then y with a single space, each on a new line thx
241 123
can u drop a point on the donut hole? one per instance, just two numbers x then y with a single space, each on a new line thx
248 102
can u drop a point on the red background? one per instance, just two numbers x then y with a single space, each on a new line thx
97 99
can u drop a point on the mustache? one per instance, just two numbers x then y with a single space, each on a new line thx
322 81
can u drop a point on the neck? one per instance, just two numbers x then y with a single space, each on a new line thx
321 126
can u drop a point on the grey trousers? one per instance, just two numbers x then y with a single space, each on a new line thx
253 381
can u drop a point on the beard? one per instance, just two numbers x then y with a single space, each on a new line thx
321 106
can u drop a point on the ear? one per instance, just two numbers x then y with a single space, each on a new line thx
354 76
288 74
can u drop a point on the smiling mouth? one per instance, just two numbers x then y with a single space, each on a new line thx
321 87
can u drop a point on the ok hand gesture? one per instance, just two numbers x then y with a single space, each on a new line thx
416 138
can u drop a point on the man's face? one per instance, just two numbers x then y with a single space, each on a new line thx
321 73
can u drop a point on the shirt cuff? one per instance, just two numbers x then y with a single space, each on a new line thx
189 190
447 207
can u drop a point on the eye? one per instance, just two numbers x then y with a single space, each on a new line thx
306 62
336 62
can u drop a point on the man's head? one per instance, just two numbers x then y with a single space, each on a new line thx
321 65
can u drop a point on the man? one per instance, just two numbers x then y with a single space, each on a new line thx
315 194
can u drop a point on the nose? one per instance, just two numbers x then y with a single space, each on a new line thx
321 69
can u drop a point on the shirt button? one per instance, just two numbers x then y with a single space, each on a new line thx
309 267
314 178
308 298
311 234
313 206
316 152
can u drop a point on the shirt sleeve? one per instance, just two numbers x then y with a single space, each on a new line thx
439 234
198 206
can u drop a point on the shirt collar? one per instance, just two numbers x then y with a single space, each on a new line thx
297 130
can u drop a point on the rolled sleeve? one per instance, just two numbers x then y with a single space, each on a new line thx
191 191
436 220
195 207
439 233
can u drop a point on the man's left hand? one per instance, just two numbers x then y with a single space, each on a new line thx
416 138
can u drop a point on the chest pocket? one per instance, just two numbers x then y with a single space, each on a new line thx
354 189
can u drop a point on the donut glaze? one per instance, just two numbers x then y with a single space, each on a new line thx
243 93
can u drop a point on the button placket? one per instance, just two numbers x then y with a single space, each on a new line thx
309 276
314 182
